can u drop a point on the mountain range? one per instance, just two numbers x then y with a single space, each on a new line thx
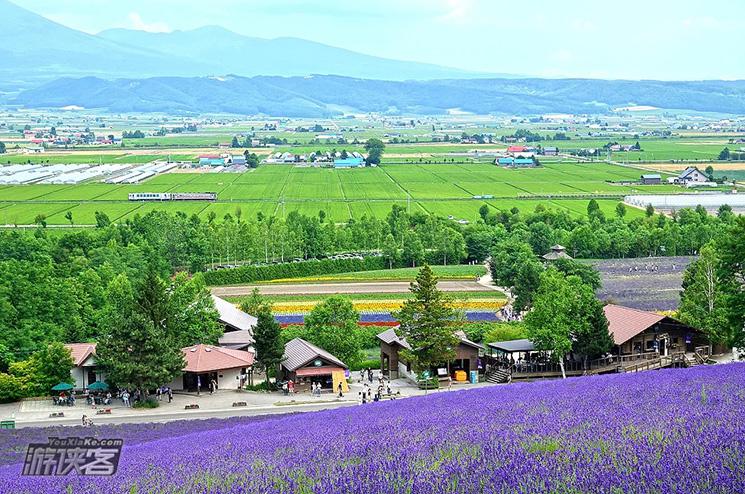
317 96
35 49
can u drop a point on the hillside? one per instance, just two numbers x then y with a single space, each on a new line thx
318 95
658 431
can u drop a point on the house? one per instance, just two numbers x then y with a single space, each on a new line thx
85 369
517 149
506 161
237 159
33 149
231 369
557 252
522 162
305 364
237 325
211 160
550 151
392 365
638 331
692 174
350 162
651 179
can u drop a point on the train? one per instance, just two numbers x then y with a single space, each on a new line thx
173 196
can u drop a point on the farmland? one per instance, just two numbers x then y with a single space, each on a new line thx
442 189
663 431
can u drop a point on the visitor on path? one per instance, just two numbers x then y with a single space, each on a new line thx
159 393
170 394
125 398
360 400
450 383
340 390
285 389
291 387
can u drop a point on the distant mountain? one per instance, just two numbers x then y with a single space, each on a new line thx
234 53
34 49
324 95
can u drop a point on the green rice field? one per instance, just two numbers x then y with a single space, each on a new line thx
442 189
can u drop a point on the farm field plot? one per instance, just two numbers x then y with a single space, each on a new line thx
380 209
82 192
85 214
248 209
259 190
335 211
607 206
437 190
389 190
186 207
313 190
28 192
490 188
21 214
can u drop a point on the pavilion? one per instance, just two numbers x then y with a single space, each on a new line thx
304 363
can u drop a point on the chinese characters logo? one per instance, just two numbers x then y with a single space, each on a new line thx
82 456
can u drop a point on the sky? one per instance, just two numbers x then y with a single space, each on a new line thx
614 39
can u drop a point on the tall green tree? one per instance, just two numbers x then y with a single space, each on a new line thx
566 311
374 148
268 341
731 247
253 303
2 147
333 326
702 303
427 322
137 350
192 318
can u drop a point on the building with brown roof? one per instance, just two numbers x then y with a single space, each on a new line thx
557 252
229 368
638 331
237 325
393 366
304 363
85 370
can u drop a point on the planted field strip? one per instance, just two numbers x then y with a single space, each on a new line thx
83 192
28 192
21 214
85 214
248 209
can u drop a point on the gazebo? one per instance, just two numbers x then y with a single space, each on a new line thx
557 252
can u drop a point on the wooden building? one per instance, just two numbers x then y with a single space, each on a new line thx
393 366
85 370
229 368
306 364
638 331
237 326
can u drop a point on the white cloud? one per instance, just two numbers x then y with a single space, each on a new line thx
136 22
457 11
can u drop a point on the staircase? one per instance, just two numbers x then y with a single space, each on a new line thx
498 376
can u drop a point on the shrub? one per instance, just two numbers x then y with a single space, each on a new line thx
365 364
251 274
262 386
505 331
146 403
10 388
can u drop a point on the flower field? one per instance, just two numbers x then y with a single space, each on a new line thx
670 431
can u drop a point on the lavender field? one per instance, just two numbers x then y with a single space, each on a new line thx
671 431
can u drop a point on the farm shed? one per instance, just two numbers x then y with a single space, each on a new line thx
237 325
466 356
85 370
651 179
231 369
304 364
638 331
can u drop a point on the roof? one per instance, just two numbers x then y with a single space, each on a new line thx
688 171
207 358
80 352
625 323
323 370
651 175
390 337
553 255
236 339
299 352
514 149
523 345
232 316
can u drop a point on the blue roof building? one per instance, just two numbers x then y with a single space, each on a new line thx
351 162
505 161
524 162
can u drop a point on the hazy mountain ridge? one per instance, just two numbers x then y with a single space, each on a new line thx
316 96
36 49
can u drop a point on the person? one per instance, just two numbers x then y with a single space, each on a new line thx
85 419
170 394
340 390
107 401
291 387
370 375
159 393
450 383
285 389
125 398
362 375
360 400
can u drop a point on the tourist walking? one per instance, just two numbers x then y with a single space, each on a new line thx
125 398
340 390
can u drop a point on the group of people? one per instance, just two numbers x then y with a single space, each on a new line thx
506 313
164 391
97 400
367 375
383 389
87 421
288 387
65 399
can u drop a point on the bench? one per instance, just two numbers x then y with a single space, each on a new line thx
240 404
193 406
55 415
103 411
8 424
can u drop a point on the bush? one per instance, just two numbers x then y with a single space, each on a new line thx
262 386
252 274
505 331
10 388
365 364
147 403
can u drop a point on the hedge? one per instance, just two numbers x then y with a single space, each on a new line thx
252 274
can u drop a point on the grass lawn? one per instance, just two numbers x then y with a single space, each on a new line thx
456 272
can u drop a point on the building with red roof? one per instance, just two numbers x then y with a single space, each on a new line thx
229 368
85 370
637 331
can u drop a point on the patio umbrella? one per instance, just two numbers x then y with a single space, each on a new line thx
98 386
62 387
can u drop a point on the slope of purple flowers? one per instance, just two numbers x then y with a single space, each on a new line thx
671 431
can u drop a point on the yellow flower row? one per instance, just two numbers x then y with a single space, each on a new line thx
388 305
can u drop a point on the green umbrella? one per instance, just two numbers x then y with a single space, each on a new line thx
98 386
62 387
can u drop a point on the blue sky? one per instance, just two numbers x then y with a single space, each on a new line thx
649 39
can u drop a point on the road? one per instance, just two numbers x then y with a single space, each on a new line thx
330 288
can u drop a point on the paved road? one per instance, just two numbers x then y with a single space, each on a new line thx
328 288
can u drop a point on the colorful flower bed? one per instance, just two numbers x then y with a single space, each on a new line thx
383 318
670 431
384 305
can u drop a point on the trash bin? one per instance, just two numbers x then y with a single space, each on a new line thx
474 377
